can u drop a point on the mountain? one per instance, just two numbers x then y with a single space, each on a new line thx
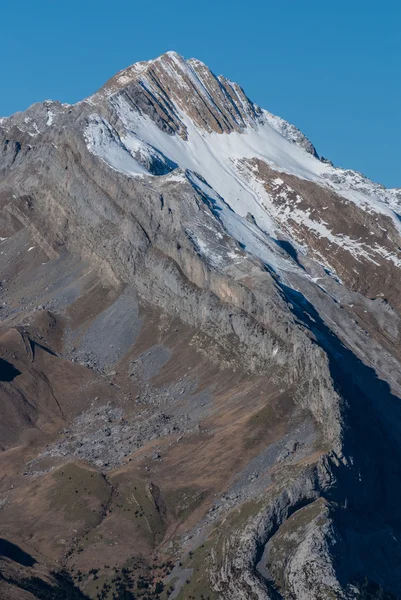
199 352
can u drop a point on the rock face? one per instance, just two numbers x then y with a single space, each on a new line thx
199 351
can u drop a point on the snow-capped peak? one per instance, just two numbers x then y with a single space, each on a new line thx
171 112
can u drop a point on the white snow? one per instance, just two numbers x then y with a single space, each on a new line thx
50 118
253 240
102 141
217 158
124 79
173 176
231 182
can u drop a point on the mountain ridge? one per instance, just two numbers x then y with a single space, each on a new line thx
202 320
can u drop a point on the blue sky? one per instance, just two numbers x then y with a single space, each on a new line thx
331 68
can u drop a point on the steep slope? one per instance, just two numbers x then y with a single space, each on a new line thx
200 348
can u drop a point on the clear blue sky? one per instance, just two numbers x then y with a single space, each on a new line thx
333 68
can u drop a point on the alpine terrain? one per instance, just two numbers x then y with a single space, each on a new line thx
200 352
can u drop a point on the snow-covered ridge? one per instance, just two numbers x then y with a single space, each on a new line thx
290 132
181 71
128 154
223 157
103 141
214 156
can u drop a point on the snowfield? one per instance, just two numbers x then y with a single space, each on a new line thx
219 159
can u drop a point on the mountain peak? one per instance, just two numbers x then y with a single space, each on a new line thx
172 54
170 90
171 87
199 351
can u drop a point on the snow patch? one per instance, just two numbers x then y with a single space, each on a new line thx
102 141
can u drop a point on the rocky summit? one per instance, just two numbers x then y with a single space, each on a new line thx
200 360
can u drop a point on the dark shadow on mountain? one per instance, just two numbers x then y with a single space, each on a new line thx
35 345
352 374
161 164
14 552
211 202
291 251
64 587
7 371
366 497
